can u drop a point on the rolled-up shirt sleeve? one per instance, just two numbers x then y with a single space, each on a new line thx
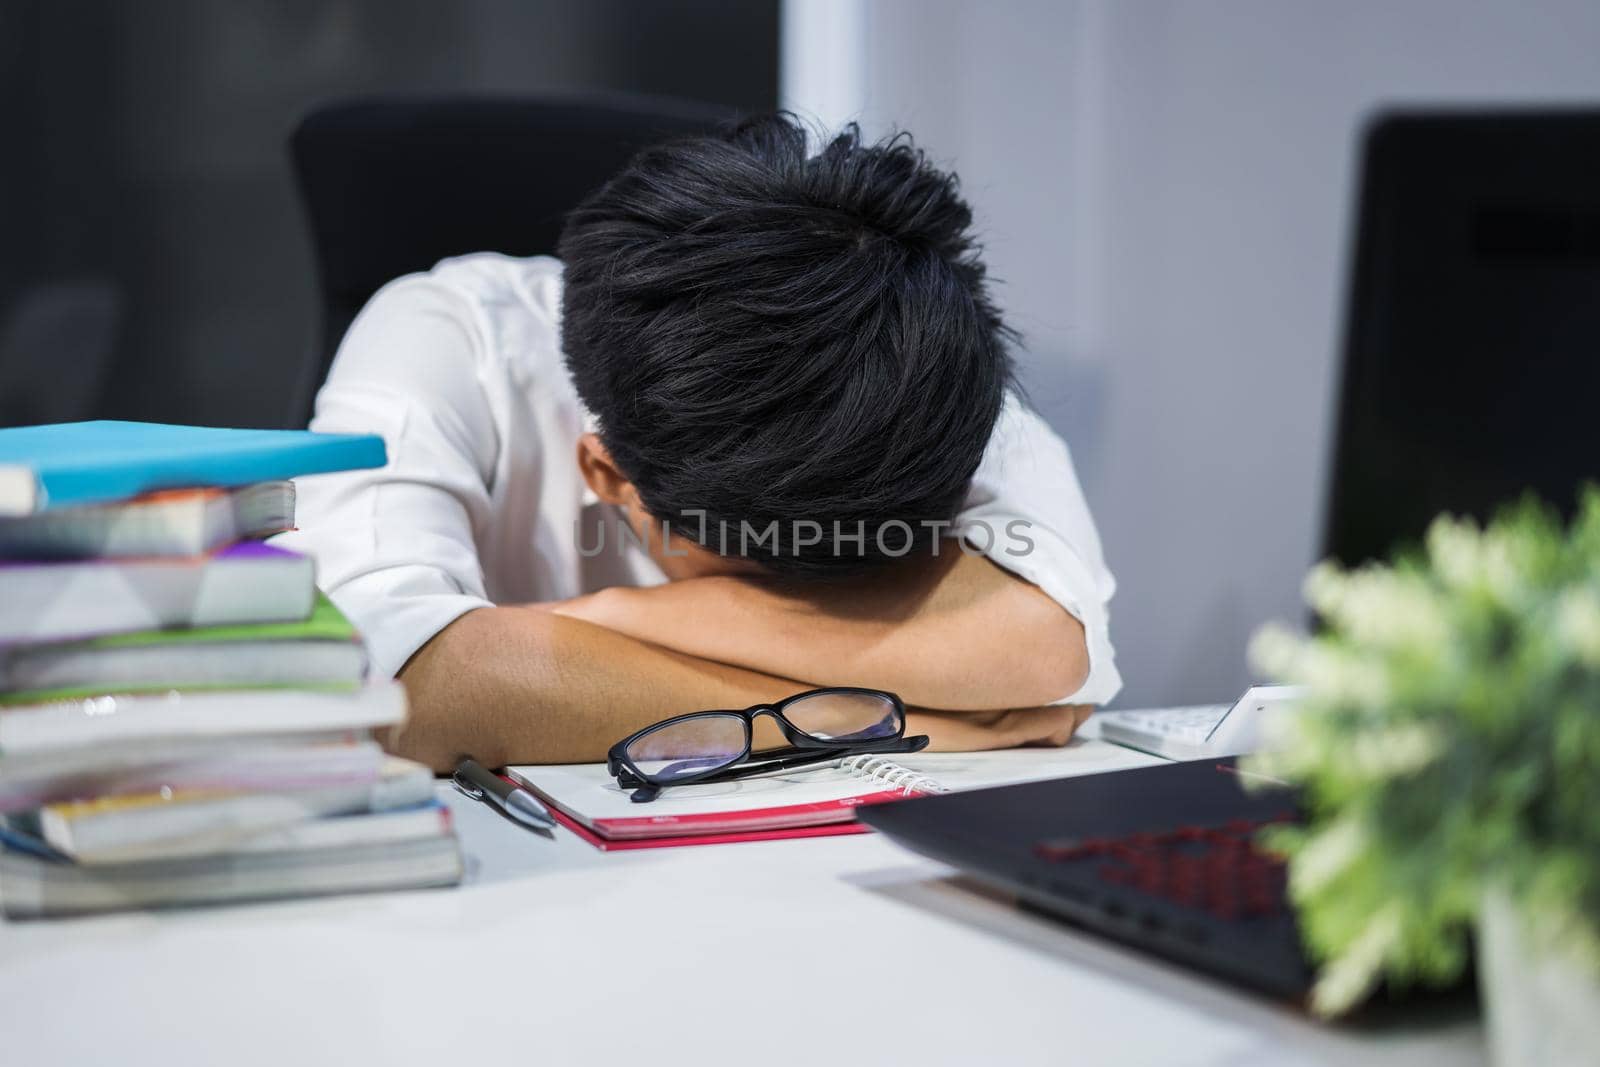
396 547
1026 511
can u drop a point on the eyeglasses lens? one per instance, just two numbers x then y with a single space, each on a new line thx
845 717
693 746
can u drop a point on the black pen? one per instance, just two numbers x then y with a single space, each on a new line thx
478 782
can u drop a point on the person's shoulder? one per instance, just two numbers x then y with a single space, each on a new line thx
1019 424
491 280
511 304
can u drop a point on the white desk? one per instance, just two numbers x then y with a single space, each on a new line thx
826 951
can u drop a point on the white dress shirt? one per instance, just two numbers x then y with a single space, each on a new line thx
460 370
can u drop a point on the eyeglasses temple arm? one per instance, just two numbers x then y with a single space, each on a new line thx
806 758
899 745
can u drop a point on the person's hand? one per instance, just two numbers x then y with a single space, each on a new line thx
1050 726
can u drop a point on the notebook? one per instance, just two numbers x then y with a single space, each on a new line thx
41 776
34 737
427 819
255 764
322 652
173 522
810 802
33 887
91 462
247 582
172 823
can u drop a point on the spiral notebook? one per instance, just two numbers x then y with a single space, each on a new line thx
811 802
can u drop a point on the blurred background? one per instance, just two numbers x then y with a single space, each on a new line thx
1164 188
148 212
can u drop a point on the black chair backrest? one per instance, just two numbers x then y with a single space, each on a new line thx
392 186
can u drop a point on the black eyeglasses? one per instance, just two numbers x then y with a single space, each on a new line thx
705 746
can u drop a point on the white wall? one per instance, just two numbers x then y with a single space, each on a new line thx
1165 188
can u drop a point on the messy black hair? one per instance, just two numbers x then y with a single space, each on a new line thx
765 335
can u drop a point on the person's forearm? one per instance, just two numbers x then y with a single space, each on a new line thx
519 685
956 632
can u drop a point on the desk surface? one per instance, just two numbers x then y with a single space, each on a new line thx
558 954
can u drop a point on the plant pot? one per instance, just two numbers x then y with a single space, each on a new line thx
1542 1006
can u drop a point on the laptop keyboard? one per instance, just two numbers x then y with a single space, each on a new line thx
1215 869
1183 724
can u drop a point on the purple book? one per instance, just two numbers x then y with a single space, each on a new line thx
243 583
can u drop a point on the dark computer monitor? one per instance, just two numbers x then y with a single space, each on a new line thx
1472 353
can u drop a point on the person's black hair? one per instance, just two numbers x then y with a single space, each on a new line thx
768 335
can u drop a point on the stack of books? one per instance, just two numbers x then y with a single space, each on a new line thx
184 718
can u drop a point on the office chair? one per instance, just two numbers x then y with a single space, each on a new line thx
57 342
392 186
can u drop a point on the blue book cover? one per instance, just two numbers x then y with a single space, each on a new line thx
47 467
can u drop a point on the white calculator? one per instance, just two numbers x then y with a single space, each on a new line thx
1200 732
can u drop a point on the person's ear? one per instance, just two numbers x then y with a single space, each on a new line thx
602 474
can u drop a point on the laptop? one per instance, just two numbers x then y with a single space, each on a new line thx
1161 858
1469 374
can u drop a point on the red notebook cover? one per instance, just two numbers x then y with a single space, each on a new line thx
651 830
604 845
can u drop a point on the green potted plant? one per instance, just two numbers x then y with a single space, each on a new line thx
1448 746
